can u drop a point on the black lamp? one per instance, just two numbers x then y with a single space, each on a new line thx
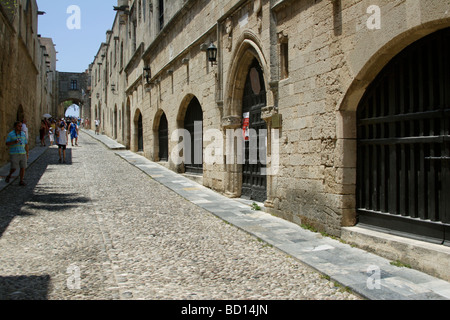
212 54
147 74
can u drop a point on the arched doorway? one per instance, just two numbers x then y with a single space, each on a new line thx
163 138
403 161
193 123
140 133
116 123
122 123
254 180
127 125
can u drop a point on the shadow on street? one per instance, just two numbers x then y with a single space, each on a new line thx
24 287
27 201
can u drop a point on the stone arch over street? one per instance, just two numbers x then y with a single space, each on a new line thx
62 108
74 87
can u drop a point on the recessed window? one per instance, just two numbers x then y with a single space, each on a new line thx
284 59
73 85
161 14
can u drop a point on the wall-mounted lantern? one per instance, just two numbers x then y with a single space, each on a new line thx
147 74
212 54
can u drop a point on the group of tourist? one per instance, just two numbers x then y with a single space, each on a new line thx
61 135
56 130
50 127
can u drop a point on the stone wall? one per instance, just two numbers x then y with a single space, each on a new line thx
19 81
6 67
317 58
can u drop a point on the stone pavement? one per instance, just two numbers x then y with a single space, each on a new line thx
97 227
366 274
75 232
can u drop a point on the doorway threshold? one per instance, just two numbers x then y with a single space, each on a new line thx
427 257
194 177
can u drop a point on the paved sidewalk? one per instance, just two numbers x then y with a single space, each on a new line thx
366 274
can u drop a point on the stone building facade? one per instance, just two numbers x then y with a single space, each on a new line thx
74 87
306 75
24 86
47 83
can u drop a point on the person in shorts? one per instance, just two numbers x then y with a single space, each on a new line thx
63 138
18 152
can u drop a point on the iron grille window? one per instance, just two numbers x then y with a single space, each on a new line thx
404 144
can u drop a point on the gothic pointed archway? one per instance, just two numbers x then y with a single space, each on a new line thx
246 92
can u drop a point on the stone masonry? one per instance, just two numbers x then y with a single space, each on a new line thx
317 57
23 71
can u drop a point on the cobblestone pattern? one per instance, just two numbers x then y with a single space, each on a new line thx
131 238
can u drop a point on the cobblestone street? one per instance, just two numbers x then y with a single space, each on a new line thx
99 228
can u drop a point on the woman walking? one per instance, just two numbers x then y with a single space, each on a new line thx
63 137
